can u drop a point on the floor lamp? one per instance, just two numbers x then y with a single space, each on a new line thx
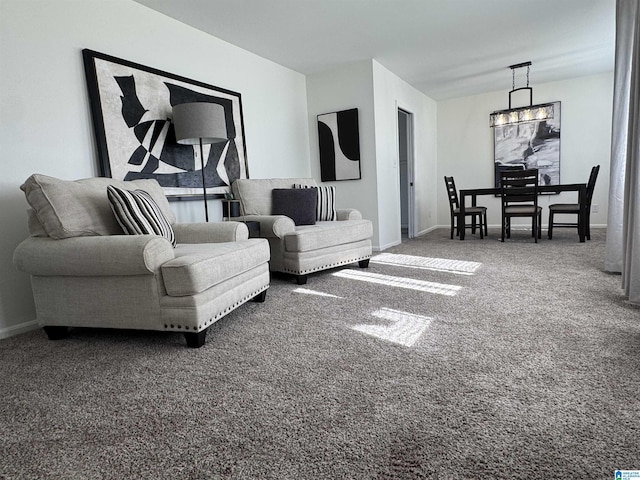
200 123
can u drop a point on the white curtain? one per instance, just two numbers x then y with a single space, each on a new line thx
623 225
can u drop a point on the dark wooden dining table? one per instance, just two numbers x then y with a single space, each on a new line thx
581 188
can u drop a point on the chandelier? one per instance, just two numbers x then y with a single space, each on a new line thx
531 113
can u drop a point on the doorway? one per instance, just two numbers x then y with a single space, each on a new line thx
406 168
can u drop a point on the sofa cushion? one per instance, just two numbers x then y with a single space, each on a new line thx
200 266
77 208
299 204
327 234
35 227
138 214
255 194
326 207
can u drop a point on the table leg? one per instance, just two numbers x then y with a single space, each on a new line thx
474 203
461 218
582 215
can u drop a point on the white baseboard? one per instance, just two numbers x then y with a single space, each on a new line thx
430 229
545 227
384 247
498 227
420 233
18 329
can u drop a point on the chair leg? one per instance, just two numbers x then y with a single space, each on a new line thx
196 339
503 228
540 225
55 332
261 297
587 226
480 227
486 228
536 226
550 232
451 226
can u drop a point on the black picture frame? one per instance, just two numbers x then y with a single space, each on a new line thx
529 145
339 144
131 108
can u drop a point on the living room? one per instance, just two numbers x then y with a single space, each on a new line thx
44 90
47 128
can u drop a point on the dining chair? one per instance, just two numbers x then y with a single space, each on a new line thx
519 193
574 208
478 213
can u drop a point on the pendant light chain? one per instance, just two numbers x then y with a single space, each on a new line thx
513 75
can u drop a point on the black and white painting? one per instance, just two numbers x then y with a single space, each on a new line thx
339 141
131 108
530 145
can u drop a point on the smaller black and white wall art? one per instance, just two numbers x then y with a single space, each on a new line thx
339 141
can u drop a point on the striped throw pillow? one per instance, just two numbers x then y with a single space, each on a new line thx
326 208
138 214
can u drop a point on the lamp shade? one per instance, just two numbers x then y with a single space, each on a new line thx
199 121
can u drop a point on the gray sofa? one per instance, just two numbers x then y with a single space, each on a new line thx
304 249
86 273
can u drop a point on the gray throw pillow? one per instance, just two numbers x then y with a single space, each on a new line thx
326 209
299 204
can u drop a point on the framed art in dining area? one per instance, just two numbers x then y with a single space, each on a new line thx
131 106
529 145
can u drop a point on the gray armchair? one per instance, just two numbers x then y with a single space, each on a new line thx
303 249
86 273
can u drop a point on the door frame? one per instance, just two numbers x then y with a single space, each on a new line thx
410 186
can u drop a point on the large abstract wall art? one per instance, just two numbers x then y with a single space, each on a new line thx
530 145
339 141
131 108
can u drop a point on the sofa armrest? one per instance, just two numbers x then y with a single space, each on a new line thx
271 226
216 232
348 214
111 255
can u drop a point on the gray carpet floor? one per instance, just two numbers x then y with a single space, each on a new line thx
526 366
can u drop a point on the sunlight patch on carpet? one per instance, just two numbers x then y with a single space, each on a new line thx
307 291
405 329
459 267
400 282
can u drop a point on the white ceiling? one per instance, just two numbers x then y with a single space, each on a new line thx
445 48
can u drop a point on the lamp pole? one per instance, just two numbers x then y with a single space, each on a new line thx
204 184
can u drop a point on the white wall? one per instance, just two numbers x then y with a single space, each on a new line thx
45 123
350 86
377 93
391 93
465 141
